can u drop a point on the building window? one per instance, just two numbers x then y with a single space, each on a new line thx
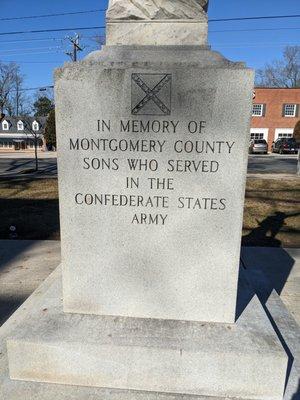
284 135
35 126
289 110
257 110
257 136
5 126
31 143
20 126
6 144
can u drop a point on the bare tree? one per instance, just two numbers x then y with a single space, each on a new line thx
297 137
13 100
19 103
36 136
7 80
282 73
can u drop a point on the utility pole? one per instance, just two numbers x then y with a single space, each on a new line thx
17 99
76 47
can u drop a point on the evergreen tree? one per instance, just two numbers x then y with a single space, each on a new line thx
50 131
42 106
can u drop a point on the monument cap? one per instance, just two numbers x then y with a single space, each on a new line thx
163 22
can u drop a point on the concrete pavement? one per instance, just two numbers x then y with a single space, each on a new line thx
275 269
24 265
257 263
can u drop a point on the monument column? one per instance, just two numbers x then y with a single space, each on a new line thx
153 135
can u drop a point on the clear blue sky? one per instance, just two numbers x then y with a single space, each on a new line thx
42 52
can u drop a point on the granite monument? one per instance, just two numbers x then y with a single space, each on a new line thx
152 149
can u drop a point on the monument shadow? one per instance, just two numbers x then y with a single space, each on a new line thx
34 220
266 232
296 396
262 271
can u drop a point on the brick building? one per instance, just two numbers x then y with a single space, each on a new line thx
275 113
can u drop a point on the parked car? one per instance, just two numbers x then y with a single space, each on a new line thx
285 145
258 146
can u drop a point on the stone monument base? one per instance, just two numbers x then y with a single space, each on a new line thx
153 270
160 32
243 360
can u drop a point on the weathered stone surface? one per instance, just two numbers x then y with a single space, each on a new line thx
158 33
156 9
16 390
178 258
157 22
243 360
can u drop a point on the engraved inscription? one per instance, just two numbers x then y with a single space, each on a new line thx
159 167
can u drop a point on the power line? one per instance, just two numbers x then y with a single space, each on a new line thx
103 27
254 30
43 39
51 15
103 10
53 30
34 62
29 54
92 37
35 88
255 45
31 40
216 45
254 18
32 48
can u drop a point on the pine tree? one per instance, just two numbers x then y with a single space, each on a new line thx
50 130
42 106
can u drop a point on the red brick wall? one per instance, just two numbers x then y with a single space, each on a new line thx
274 99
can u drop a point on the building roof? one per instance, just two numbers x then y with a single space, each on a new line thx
27 121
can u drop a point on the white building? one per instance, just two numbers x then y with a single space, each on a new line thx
20 133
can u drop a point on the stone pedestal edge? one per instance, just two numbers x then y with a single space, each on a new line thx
160 32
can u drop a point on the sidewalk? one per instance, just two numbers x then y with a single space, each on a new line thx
275 269
272 176
24 265
26 154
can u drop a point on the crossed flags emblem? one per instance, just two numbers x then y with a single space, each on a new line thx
151 94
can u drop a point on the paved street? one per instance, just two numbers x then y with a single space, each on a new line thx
272 164
18 167
14 165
